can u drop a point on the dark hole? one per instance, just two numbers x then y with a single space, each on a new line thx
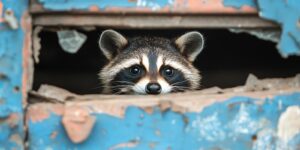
254 137
226 61
16 88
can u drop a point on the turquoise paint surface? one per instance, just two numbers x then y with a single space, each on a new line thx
239 3
232 124
11 45
102 4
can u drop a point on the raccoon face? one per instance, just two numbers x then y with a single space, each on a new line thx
149 65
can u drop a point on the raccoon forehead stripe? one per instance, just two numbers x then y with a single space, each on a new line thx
145 62
159 62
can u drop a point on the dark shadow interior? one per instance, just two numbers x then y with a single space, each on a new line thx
226 61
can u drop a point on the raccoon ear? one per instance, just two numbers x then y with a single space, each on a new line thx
190 44
111 42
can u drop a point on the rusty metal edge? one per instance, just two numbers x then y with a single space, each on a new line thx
154 21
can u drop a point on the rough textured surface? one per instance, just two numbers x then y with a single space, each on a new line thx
255 116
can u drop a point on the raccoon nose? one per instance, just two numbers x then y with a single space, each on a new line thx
153 88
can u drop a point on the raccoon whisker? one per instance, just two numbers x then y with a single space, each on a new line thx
140 88
179 82
131 83
112 86
122 92
103 86
181 88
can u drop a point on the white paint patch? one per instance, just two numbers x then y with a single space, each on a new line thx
289 123
165 87
210 128
145 62
140 87
147 3
242 123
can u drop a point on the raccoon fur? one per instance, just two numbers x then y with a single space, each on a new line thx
149 65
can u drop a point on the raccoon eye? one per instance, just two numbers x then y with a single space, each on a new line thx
135 70
168 71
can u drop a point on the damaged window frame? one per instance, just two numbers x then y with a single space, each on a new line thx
78 113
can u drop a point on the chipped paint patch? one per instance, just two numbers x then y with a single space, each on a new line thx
289 123
130 144
27 64
1 12
35 114
78 123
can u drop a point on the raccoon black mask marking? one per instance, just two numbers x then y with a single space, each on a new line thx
149 65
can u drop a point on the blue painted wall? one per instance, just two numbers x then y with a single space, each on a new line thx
236 124
11 45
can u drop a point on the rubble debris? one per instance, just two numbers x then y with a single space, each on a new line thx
36 43
264 34
71 40
10 19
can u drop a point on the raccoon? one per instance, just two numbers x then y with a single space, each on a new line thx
149 65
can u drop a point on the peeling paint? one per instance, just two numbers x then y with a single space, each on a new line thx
130 144
284 12
287 14
1 12
264 34
34 114
289 123
78 123
36 43
237 123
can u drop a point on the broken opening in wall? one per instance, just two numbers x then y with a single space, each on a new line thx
226 61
